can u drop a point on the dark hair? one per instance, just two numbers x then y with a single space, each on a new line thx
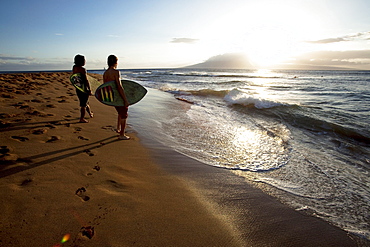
112 60
79 60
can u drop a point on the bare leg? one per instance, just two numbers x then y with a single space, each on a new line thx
118 130
122 135
88 109
82 115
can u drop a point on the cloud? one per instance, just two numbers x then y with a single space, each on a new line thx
351 37
16 63
59 34
326 41
184 40
355 59
355 54
8 57
4 59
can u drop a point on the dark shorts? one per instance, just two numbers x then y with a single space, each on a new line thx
83 97
122 111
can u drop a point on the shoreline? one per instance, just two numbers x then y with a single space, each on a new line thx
63 177
257 218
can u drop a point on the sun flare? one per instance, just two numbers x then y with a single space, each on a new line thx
268 33
268 46
278 33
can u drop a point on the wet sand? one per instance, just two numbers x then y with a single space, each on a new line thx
61 178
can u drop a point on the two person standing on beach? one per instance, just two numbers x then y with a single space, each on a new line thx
111 74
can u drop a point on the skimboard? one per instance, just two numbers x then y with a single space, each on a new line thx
77 82
108 94
94 83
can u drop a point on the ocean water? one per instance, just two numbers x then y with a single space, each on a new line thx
301 136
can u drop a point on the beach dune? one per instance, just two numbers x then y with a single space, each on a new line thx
65 183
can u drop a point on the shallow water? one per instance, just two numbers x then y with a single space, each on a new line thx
302 136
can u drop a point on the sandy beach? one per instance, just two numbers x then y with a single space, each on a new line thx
65 183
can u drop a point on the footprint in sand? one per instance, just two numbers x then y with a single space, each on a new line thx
4 124
109 127
39 131
83 138
116 185
5 149
50 126
8 96
80 192
88 151
88 231
20 138
56 123
21 105
53 139
36 101
6 156
5 115
34 112
26 182
96 168
112 187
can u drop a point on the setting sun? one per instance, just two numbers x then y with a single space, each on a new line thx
267 33
264 51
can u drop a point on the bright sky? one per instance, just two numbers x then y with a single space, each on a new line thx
46 35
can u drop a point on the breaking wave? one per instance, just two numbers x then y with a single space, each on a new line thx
238 97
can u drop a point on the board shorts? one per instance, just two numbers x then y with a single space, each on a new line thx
122 111
83 97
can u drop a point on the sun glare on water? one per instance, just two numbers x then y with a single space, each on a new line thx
246 138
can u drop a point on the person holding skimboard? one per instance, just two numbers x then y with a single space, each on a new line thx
83 96
112 74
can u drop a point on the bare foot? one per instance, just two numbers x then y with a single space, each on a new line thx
123 137
91 114
83 121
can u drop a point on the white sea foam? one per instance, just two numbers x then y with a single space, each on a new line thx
240 97
301 134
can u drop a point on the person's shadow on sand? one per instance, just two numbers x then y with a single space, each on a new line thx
64 153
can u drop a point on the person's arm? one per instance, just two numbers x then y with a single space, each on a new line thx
87 83
120 88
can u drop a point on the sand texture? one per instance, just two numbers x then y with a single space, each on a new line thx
62 177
